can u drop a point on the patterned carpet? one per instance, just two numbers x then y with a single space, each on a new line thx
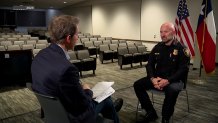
19 101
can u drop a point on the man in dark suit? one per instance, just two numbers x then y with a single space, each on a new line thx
167 69
54 75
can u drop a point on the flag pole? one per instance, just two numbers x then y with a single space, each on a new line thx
202 46
200 68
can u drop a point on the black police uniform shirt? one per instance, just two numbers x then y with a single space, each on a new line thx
168 62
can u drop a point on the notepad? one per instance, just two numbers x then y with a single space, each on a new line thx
102 90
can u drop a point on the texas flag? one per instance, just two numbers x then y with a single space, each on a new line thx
206 36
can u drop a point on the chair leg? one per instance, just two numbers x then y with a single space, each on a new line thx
172 119
42 113
152 97
94 72
81 74
187 99
137 109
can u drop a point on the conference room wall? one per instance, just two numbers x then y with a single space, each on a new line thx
132 19
116 19
85 15
153 14
120 19
50 13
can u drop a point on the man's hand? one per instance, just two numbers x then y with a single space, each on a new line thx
155 82
85 86
162 83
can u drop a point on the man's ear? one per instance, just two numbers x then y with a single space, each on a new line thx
68 38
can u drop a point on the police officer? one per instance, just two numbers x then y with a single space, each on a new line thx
167 69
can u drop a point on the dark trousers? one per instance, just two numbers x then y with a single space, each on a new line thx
106 108
171 93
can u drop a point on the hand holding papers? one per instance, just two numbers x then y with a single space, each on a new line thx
102 90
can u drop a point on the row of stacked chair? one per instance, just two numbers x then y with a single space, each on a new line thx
87 35
93 46
99 42
35 45
6 30
22 42
106 50
19 39
100 47
13 35
10 32
132 54
82 40
82 60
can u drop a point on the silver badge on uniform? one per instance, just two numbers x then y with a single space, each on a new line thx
175 52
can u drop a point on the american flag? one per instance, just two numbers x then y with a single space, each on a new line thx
184 32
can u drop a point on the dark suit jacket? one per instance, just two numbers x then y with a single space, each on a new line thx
54 75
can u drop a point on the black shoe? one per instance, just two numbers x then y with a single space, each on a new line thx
118 103
165 120
151 116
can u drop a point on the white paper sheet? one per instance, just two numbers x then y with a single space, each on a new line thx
102 90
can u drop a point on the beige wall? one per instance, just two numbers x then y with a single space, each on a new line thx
85 15
117 19
154 13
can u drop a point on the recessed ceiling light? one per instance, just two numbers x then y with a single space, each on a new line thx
65 2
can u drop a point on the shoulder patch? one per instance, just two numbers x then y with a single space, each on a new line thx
186 52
